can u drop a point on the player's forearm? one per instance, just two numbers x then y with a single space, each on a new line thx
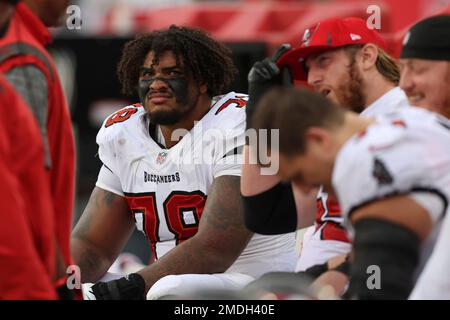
189 257
93 265
101 233
306 206
252 181
220 239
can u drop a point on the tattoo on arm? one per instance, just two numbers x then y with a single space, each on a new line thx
220 240
100 233
99 200
108 198
224 212
89 261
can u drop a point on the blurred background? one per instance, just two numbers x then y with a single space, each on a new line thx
87 50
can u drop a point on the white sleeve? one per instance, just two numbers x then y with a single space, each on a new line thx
229 165
106 146
108 181
230 161
434 282
381 167
430 202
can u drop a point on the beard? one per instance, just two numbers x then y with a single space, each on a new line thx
174 115
349 93
169 117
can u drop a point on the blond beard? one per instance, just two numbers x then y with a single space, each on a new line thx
349 93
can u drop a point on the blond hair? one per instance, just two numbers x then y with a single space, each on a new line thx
385 64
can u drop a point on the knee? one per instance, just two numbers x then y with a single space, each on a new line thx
166 286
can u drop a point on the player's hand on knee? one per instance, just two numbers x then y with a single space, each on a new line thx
332 277
338 263
330 285
131 287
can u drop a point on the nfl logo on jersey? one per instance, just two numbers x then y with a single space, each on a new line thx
161 157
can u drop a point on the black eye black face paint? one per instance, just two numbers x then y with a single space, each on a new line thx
178 86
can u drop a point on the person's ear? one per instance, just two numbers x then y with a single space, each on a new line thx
368 56
203 88
319 137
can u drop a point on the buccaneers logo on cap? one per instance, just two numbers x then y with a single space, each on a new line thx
406 38
307 35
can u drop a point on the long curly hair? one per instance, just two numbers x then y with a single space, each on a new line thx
209 61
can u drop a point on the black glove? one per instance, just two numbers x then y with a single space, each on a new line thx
263 76
319 269
131 287
316 270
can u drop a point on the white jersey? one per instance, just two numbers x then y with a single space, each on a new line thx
391 101
404 152
328 238
166 189
434 281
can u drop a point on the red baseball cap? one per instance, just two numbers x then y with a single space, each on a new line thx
325 35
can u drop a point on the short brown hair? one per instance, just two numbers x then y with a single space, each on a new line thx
293 111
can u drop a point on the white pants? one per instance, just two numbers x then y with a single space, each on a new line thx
188 284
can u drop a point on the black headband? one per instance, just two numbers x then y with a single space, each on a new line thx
13 2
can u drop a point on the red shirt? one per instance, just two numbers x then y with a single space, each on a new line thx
27 29
27 254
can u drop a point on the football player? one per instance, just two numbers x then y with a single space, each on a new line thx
425 67
31 71
182 193
345 61
390 174
27 252
425 77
